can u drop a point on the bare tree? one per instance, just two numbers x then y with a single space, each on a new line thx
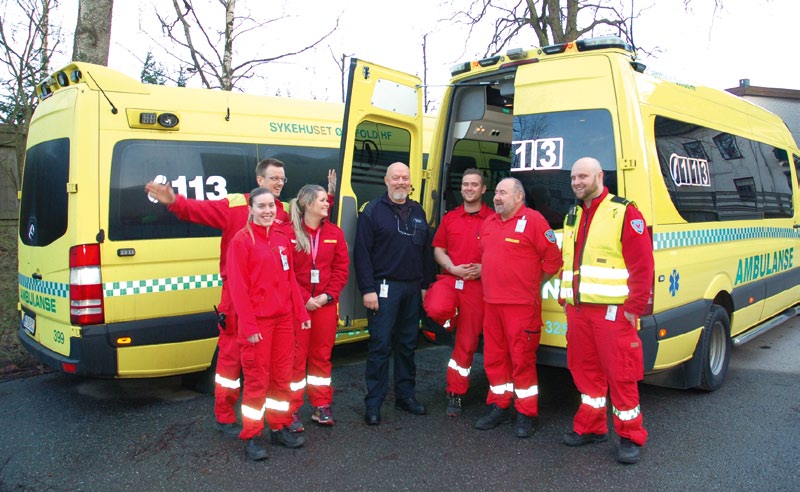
27 46
93 31
341 64
209 54
552 21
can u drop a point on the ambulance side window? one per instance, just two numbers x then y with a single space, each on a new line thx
304 165
197 170
796 169
718 176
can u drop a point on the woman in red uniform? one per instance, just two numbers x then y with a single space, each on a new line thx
321 266
267 299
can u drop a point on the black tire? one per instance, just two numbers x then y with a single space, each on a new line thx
203 381
715 348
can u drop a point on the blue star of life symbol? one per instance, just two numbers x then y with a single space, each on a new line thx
674 285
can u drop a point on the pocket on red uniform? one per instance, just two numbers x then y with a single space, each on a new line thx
631 360
248 352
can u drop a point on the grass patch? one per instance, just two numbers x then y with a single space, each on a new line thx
12 356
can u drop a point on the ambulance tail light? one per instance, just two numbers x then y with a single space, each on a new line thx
85 285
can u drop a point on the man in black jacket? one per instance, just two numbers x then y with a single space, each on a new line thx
392 272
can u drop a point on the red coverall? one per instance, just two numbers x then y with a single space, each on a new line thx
515 253
606 355
229 215
267 300
458 234
313 347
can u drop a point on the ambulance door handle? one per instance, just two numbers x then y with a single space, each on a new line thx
37 276
796 226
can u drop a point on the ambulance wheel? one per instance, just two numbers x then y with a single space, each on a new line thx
203 381
715 349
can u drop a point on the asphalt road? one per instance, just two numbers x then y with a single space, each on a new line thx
64 433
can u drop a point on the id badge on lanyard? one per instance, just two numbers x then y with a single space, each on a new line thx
314 251
521 223
384 290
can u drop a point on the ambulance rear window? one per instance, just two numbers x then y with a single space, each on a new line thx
43 208
546 145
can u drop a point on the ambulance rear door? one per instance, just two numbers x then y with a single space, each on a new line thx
382 125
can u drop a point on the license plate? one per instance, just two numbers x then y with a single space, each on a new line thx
29 323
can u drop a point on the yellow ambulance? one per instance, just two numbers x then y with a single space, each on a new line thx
112 284
715 176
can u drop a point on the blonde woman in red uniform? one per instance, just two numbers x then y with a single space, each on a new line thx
321 265
267 301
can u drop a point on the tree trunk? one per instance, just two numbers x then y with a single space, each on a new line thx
93 31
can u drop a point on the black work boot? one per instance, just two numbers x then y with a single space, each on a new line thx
523 427
230 431
256 450
453 405
628 452
286 438
572 438
493 417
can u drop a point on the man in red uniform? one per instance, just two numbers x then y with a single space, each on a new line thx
456 248
519 253
606 285
229 215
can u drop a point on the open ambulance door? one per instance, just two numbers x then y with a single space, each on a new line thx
382 125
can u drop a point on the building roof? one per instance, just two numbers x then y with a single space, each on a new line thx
745 89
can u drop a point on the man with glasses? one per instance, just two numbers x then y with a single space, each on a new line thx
229 215
392 270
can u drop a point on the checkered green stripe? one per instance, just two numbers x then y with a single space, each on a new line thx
115 289
668 240
54 289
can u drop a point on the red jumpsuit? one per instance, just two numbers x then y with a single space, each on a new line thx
515 254
267 300
458 234
312 358
605 355
229 215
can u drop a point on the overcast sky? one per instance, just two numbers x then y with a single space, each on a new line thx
752 39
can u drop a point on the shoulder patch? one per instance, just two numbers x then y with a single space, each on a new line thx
236 200
550 235
638 226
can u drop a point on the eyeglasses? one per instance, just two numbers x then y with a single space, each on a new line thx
276 179
405 232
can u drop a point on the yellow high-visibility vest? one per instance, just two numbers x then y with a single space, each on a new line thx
603 275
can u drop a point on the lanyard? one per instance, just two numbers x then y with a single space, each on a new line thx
315 246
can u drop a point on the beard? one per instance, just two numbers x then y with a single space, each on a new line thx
399 196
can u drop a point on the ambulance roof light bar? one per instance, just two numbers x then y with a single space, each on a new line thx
603 42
